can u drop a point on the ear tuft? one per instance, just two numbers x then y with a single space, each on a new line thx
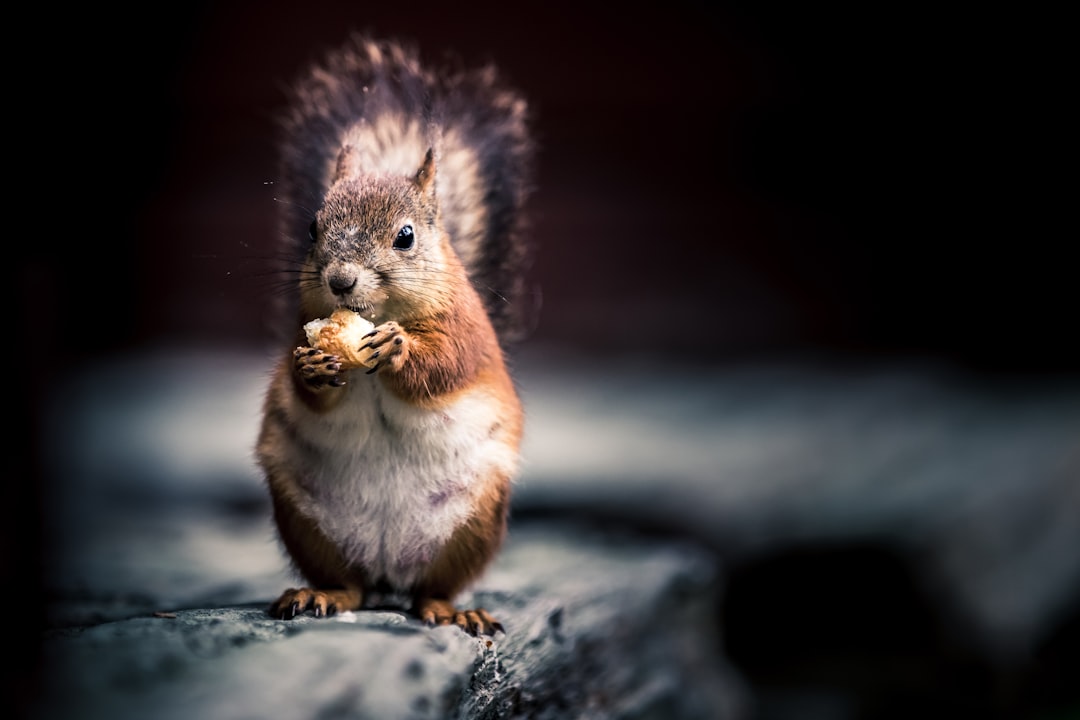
344 163
425 176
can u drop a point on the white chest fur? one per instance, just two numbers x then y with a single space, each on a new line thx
389 482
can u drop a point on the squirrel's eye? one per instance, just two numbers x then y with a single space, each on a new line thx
404 239
313 231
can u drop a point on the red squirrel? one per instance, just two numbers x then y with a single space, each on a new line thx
402 190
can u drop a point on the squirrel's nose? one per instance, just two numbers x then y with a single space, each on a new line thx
341 281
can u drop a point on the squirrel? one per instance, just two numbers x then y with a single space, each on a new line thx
402 191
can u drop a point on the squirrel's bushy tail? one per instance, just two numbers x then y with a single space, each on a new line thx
478 127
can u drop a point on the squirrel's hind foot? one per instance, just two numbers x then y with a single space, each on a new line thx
440 612
323 603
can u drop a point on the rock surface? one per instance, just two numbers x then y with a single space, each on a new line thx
600 626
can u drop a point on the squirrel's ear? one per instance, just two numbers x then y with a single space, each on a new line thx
425 176
344 163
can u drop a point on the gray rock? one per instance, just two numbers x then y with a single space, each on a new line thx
599 626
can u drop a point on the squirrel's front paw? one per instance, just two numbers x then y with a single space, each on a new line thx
317 369
387 346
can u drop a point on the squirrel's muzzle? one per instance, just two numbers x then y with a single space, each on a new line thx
341 279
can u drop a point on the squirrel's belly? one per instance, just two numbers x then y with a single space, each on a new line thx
395 481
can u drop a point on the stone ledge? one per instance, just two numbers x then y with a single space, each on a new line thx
598 625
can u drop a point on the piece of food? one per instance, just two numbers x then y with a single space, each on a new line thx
342 334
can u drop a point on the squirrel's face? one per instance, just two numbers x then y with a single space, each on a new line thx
376 248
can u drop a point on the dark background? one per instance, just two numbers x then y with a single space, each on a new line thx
715 182
750 179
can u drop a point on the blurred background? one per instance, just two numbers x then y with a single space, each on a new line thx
718 185
753 178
